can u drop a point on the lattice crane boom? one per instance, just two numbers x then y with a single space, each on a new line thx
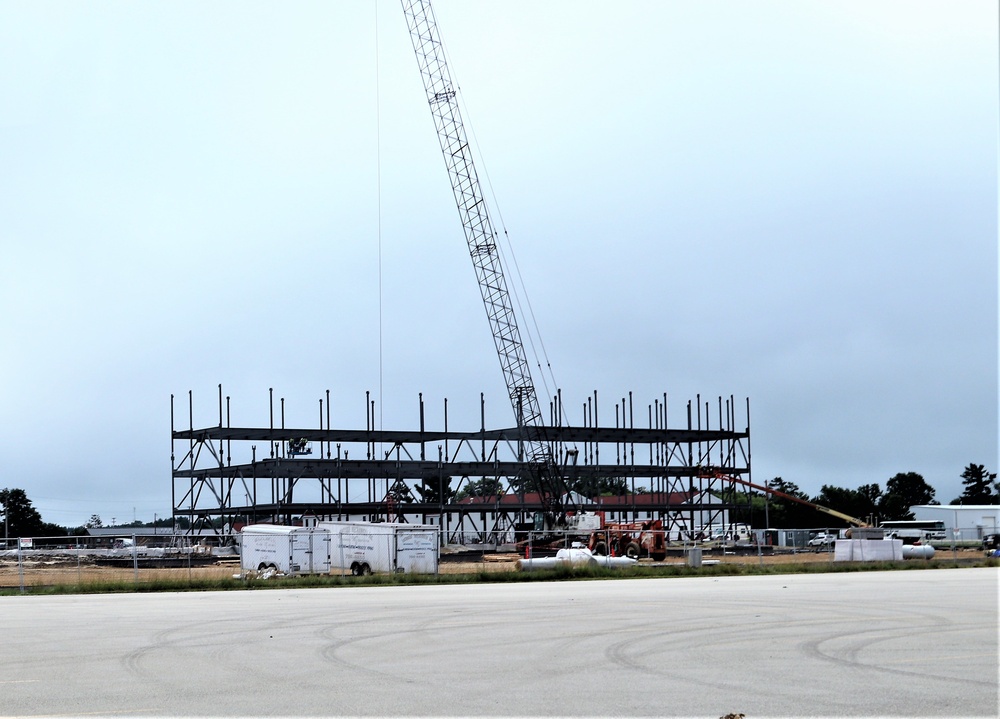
480 233
481 237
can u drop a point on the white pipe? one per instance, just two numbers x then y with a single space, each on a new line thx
577 555
917 551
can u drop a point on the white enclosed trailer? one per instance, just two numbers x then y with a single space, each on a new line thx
388 547
289 550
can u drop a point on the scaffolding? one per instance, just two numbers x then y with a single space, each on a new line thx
470 483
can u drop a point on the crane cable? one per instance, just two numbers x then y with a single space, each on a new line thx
519 290
378 185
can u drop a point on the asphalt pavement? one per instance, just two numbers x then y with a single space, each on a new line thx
905 643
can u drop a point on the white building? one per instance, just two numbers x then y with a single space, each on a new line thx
482 517
972 520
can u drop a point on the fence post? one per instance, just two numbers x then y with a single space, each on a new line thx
20 564
340 543
135 560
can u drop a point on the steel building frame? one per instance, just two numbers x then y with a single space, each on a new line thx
224 475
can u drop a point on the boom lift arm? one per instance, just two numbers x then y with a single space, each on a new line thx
481 237
818 507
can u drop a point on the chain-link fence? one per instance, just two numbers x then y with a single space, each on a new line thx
185 560
344 549
735 544
124 559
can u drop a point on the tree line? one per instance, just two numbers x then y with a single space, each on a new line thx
868 502
21 519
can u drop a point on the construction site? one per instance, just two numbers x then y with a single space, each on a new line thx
457 541
626 476
225 476
540 472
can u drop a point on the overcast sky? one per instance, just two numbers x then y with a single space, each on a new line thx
794 202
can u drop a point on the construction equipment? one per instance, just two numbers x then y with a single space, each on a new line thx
713 473
481 236
298 447
630 539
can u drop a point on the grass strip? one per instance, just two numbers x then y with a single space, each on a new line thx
558 574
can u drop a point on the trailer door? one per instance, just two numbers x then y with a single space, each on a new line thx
416 551
300 561
321 541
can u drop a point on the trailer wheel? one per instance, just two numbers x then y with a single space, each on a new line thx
601 549
632 550
356 569
365 570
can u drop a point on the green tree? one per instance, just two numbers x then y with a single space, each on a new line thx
483 487
22 519
980 486
94 521
435 490
871 494
400 492
599 486
749 506
902 492
48 529
859 503
786 513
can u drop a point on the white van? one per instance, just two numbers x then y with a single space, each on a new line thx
729 533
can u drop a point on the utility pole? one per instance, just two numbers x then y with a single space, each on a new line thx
767 504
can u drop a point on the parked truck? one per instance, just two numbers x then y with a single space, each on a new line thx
630 539
389 547
284 550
